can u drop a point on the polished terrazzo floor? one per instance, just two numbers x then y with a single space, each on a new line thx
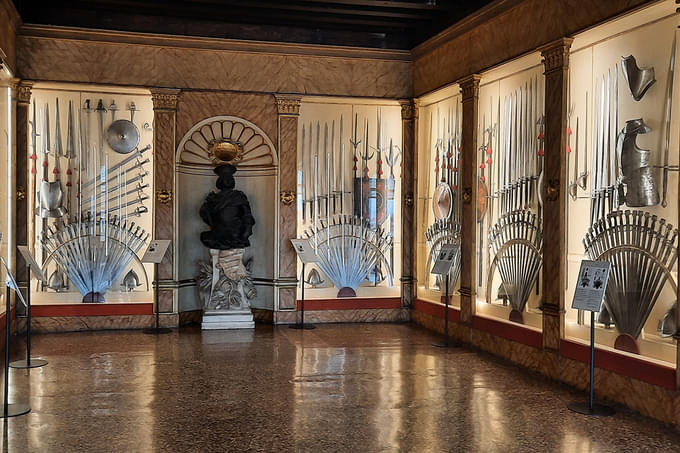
355 388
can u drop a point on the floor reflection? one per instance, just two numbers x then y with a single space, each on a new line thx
355 388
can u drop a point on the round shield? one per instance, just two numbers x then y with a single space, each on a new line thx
122 136
442 201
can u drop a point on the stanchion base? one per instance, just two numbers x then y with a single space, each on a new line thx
15 409
302 326
35 363
156 331
598 410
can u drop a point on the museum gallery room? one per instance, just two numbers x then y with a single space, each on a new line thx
339 226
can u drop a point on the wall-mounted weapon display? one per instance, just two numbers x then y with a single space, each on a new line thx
624 129
348 173
92 199
444 142
510 157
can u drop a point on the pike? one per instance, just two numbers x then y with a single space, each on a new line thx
427 181
328 174
34 148
341 184
332 175
324 165
308 179
609 191
583 177
667 143
88 141
303 175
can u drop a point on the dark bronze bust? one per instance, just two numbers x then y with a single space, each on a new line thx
228 214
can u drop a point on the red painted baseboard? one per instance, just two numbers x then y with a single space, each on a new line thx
91 310
640 369
352 303
436 310
514 332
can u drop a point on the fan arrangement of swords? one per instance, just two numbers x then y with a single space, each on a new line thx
509 195
352 231
641 247
86 229
446 199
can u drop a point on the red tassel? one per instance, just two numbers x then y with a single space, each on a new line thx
454 187
482 166
455 169
483 179
34 157
568 148
541 152
69 172
488 161
568 131
55 171
541 136
33 171
489 150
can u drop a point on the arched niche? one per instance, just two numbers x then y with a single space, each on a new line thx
257 177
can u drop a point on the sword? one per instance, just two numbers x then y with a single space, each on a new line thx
669 102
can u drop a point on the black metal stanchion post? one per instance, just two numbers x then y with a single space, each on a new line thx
445 344
158 329
10 410
28 363
302 324
591 408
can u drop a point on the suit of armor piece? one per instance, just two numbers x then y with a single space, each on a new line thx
641 189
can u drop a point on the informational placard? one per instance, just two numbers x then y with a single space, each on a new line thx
305 251
591 285
156 251
32 263
444 261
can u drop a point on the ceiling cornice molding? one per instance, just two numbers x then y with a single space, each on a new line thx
471 21
200 43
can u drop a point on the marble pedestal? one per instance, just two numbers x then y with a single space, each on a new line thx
227 319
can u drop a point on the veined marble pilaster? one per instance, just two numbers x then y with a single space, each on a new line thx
409 124
21 95
468 283
288 108
164 138
556 69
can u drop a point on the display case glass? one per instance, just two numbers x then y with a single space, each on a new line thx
90 185
509 157
437 190
623 179
349 196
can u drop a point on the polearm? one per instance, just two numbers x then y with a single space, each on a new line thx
303 175
308 181
427 181
332 175
341 184
596 148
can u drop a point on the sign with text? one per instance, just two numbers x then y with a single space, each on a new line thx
156 251
591 285
305 251
32 263
444 261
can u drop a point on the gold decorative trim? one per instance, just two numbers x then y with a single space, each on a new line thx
22 91
287 197
21 193
408 199
164 98
287 105
467 195
553 190
556 55
469 87
409 109
164 196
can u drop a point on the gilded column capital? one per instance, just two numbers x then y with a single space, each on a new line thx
469 87
287 104
164 98
556 55
21 90
409 109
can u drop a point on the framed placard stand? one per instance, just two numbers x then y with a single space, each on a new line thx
442 267
589 295
154 254
13 409
306 253
34 268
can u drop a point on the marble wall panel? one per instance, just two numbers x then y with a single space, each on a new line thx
164 147
334 316
124 63
287 212
513 29
88 323
457 332
409 115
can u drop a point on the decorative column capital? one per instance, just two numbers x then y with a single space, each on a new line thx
469 87
21 90
409 109
556 55
164 98
287 104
